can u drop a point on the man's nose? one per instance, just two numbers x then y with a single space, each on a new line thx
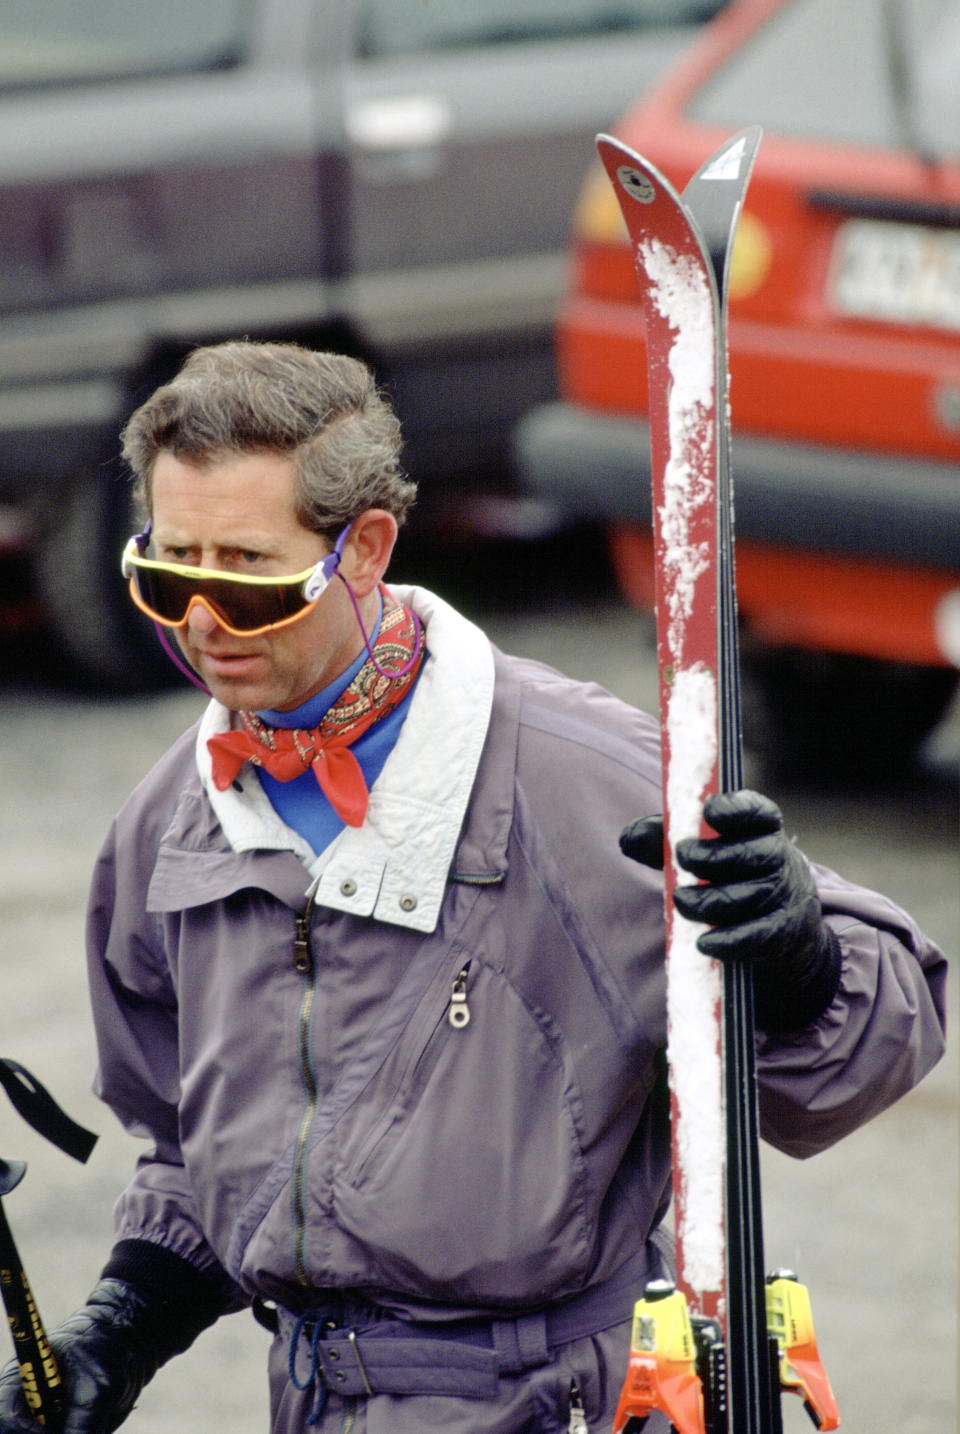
200 619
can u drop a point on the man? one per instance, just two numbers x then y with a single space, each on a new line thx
373 977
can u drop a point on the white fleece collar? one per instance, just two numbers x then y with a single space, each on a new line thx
395 866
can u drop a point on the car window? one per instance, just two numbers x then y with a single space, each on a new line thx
867 72
76 40
391 27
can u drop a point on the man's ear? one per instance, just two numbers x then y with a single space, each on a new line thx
368 549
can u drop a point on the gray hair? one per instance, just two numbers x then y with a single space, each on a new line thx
323 409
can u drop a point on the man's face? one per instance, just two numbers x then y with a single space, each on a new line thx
238 516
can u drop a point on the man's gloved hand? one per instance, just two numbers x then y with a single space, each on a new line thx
759 899
107 1351
106 1355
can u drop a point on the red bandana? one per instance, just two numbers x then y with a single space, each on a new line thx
286 753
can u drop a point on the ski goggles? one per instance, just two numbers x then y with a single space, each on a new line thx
243 605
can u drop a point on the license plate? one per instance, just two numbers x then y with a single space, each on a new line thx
901 273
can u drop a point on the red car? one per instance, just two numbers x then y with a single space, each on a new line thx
844 336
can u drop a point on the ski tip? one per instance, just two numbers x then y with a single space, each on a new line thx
630 174
608 145
733 160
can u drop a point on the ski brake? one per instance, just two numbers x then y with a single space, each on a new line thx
676 1360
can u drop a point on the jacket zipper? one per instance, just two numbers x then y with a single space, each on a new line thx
578 1414
303 963
458 1012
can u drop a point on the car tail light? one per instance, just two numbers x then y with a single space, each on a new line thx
597 217
603 267
752 257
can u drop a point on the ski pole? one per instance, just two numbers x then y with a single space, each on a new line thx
39 1373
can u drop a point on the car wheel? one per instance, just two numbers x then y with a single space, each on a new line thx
838 716
106 645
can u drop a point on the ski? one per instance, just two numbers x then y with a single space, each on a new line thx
714 198
704 1354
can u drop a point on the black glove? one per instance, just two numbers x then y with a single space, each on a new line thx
108 1350
759 900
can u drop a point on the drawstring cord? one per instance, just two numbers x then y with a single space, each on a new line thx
316 1333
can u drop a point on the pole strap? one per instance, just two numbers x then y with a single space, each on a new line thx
39 1109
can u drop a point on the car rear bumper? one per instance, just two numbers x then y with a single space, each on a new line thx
594 467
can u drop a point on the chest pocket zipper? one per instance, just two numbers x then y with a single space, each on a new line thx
458 1011
415 1076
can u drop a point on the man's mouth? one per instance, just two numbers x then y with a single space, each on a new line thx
228 663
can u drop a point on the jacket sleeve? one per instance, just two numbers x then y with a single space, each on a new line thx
881 1034
135 1021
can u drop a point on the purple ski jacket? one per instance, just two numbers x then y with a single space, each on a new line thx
424 1069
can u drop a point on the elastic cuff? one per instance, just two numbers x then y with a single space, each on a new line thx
779 1010
181 1297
